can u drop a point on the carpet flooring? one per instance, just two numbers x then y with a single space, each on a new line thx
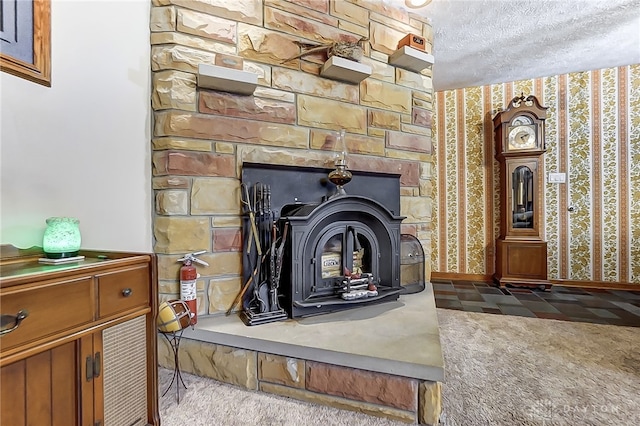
597 306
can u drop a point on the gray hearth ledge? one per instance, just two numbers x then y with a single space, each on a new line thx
398 337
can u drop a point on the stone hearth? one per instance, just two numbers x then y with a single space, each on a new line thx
383 360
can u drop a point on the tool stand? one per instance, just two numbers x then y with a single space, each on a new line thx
249 317
173 338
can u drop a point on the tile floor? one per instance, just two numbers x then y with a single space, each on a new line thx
615 307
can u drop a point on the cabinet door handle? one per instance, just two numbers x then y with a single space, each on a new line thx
89 367
96 365
93 366
5 320
127 292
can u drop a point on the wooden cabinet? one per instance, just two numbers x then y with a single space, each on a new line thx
79 340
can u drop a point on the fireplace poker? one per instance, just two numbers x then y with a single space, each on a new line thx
278 266
260 219
272 268
272 235
258 209
252 219
269 213
261 288
245 287
257 202
253 235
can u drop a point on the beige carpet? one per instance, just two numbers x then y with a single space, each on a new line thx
500 370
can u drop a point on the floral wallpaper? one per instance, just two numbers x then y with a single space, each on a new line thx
592 135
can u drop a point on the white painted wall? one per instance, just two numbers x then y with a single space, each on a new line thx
82 147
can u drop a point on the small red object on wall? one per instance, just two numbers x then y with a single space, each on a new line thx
412 40
188 282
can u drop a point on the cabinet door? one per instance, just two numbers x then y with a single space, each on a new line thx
42 389
88 370
124 382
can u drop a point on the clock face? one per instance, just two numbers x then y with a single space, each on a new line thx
522 137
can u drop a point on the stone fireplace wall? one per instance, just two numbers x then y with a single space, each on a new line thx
202 137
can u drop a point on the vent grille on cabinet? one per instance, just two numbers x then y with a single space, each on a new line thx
125 373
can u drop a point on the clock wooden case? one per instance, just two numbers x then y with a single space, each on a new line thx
521 251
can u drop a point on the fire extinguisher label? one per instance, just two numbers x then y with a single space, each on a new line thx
188 290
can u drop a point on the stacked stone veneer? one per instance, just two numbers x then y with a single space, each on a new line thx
202 137
384 395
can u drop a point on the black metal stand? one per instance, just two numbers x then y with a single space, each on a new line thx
249 317
173 338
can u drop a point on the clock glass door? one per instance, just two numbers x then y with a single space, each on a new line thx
523 196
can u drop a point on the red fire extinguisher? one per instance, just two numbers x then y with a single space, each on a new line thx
188 277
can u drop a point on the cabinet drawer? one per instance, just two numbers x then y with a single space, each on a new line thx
51 309
123 290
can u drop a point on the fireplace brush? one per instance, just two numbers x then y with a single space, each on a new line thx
261 289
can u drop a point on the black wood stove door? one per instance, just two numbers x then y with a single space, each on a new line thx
345 249
341 254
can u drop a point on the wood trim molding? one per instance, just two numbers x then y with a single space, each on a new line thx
597 284
454 276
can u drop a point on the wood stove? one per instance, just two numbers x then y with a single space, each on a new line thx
341 251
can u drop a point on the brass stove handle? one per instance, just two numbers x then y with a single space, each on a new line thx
17 319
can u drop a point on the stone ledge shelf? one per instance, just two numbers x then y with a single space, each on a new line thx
411 59
226 79
337 68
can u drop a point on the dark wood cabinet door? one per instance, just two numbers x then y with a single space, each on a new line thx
12 394
64 379
41 389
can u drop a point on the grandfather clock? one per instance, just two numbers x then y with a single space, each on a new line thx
521 252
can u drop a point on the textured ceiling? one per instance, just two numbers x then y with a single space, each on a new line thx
479 42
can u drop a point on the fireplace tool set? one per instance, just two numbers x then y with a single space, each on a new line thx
310 248
264 251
